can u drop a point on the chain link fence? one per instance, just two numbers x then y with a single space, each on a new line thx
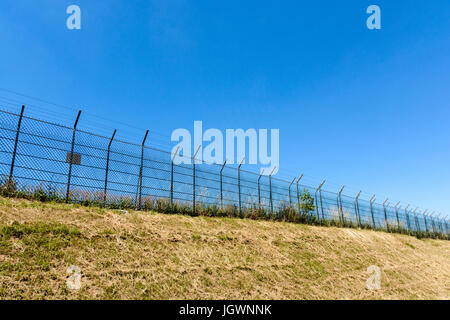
64 163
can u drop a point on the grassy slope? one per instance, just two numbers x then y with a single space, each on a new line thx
154 256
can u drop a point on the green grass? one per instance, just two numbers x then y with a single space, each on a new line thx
148 255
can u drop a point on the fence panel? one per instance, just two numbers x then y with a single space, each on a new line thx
42 161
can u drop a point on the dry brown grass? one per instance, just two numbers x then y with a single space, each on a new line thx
145 255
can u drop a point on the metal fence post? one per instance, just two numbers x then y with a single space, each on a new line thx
436 223
358 215
425 219
290 198
107 167
339 204
270 191
317 203
71 156
171 175
407 218
193 179
432 222
139 191
321 204
415 219
430 226
439 222
13 160
259 189
298 194
385 215
239 186
371 211
221 187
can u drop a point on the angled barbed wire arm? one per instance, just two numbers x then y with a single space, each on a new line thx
69 176
358 216
193 179
171 174
141 168
221 184
259 188
16 141
239 186
270 190
298 194
107 167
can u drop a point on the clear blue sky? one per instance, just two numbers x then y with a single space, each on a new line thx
368 109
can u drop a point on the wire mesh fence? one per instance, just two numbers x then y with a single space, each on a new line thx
60 162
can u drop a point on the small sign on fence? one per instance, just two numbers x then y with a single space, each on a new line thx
75 158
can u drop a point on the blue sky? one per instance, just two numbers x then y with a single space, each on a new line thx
364 108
